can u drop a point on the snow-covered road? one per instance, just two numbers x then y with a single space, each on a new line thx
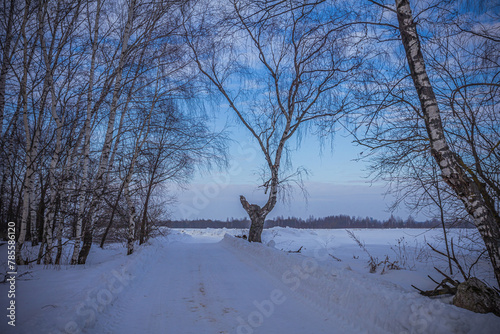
206 288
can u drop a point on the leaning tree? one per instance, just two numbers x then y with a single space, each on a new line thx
436 91
477 196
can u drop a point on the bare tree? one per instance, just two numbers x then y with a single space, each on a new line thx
451 118
31 136
293 61
477 200
176 145
90 112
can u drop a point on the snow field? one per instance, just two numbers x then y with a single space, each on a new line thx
206 281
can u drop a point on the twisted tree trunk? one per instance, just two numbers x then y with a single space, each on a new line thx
256 213
257 216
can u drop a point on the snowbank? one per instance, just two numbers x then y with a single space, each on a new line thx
362 299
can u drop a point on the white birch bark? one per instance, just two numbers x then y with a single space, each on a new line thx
32 210
6 59
141 139
131 215
51 57
108 140
30 155
59 234
49 215
86 145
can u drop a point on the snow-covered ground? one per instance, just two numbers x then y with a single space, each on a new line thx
205 281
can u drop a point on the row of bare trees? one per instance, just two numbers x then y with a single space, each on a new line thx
94 121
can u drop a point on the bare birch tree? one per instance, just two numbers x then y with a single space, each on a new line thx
94 33
478 202
442 106
290 62
31 137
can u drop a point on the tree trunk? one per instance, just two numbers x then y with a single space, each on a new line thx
256 213
9 151
32 142
59 227
131 222
40 216
33 215
106 149
6 59
441 216
28 186
257 217
256 228
474 196
112 217
49 218
40 252
86 146
142 233
87 244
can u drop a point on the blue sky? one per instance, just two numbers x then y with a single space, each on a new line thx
336 184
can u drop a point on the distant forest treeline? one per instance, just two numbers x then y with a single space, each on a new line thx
330 222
